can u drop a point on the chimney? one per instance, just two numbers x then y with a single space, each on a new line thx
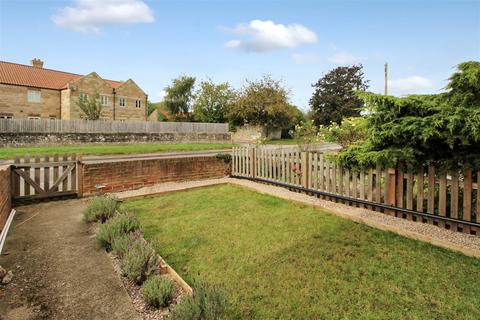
37 63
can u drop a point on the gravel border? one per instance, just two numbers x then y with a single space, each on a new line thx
457 241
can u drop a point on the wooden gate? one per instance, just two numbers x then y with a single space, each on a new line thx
44 177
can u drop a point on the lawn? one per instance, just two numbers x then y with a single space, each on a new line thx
105 149
277 259
281 142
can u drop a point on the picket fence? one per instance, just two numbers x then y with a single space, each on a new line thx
103 126
424 194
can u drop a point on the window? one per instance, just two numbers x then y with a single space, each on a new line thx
34 118
138 104
34 95
122 102
4 116
83 96
104 100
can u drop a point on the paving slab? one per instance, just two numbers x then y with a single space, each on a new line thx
60 272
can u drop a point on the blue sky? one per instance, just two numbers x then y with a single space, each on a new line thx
296 41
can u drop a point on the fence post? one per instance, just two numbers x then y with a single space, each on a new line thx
305 169
80 176
252 154
391 188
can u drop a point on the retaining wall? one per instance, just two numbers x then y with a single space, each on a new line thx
113 176
8 139
5 195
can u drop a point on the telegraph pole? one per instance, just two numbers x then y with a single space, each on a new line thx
386 78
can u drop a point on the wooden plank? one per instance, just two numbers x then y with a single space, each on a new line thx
442 195
322 173
420 189
26 185
16 179
334 177
65 181
55 170
46 173
467 195
37 170
26 177
340 180
283 166
431 190
315 171
347 183
362 187
370 187
327 176
409 196
378 184
354 191
454 196
73 174
400 178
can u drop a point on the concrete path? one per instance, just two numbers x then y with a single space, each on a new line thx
59 270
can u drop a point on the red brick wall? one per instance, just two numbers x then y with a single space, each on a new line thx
5 195
134 174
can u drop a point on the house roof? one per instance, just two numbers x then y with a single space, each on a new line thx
24 75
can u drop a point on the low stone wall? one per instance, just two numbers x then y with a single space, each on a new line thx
251 133
54 139
101 177
5 195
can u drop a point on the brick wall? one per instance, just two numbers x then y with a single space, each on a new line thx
5 195
126 175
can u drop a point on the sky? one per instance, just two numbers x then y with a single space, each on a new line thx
295 41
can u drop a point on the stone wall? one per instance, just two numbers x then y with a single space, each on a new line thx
5 195
14 103
54 139
113 176
250 133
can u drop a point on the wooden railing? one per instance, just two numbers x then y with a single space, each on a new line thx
447 199
102 126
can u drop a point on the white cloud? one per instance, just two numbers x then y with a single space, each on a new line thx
91 15
305 58
344 58
409 85
261 36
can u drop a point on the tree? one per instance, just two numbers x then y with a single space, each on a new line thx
213 102
263 102
91 107
443 129
334 97
179 96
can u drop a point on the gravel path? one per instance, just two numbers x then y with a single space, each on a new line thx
59 270
468 244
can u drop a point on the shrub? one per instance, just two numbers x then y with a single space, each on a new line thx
209 302
100 209
158 291
119 225
139 261
121 244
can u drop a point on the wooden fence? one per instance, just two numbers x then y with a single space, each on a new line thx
102 126
44 177
446 199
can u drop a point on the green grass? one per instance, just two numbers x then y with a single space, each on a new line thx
105 149
281 141
283 260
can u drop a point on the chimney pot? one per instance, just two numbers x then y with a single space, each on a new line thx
37 63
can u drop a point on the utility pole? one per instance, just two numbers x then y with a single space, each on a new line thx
386 78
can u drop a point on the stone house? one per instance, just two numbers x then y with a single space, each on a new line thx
31 91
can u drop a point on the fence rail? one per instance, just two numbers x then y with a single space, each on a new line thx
447 199
101 126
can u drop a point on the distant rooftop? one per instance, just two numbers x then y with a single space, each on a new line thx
36 76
